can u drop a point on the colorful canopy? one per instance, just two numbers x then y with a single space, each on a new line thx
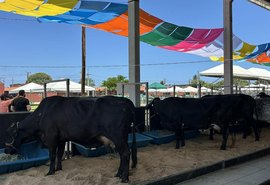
113 17
156 85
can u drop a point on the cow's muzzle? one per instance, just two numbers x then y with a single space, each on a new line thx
10 149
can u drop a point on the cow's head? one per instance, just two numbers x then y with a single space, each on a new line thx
152 103
12 134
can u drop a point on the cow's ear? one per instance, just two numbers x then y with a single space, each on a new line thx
13 124
156 100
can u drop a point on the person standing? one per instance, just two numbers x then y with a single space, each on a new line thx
20 103
5 103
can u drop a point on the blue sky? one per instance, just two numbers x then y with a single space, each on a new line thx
28 45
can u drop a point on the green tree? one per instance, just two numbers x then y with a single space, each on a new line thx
261 81
236 81
162 82
111 82
39 78
89 81
194 82
240 82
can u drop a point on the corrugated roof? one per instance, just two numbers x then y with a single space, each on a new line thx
263 3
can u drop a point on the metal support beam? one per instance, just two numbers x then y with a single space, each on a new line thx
134 51
52 81
83 63
228 63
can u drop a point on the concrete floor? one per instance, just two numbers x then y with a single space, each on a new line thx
249 173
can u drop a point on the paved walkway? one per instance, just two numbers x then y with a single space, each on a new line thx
249 173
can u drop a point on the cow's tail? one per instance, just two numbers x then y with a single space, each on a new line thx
256 123
133 147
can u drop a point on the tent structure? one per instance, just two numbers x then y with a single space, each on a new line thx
156 85
55 86
205 90
260 73
73 87
112 17
30 87
177 89
239 72
190 89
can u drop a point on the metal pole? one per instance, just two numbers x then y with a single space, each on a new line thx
45 90
147 111
174 90
228 69
199 86
134 51
146 91
83 62
68 84
123 90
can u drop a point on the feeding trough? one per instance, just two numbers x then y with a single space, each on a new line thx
166 136
91 152
141 141
31 155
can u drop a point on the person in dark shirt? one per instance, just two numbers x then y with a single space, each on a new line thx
20 103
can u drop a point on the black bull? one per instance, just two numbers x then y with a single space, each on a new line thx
177 114
104 120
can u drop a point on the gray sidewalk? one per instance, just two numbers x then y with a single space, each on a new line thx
249 173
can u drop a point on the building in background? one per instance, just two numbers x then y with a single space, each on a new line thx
2 88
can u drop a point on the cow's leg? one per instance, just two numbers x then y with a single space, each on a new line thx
123 171
254 123
180 134
177 136
211 135
183 142
224 137
256 130
120 169
245 130
60 152
52 155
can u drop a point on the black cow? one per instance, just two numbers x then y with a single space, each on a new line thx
262 109
175 114
82 120
262 95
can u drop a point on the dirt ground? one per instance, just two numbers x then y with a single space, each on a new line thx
154 161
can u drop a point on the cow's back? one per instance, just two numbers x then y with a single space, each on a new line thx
64 116
111 107
231 107
174 111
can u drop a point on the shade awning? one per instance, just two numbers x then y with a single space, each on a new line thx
30 87
156 85
238 72
260 73
54 86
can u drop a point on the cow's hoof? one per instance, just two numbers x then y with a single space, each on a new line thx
222 148
50 173
124 181
58 168
133 165
118 175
